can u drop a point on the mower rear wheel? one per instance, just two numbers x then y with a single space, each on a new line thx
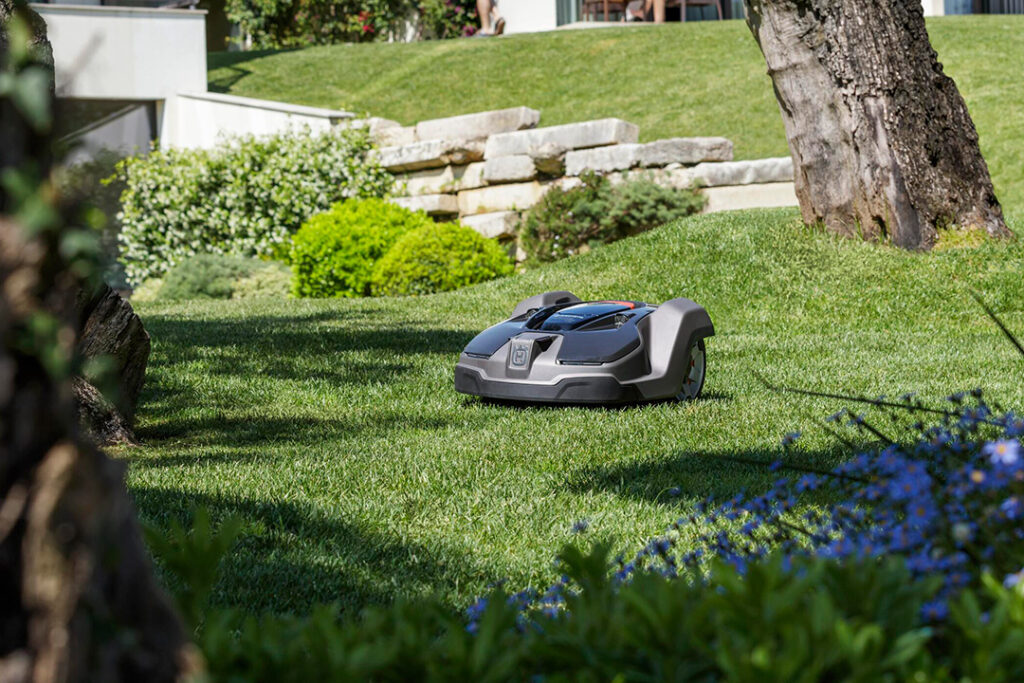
693 382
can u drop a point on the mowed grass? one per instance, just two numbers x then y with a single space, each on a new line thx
332 427
698 78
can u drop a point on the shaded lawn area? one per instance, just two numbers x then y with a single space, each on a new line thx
698 78
333 430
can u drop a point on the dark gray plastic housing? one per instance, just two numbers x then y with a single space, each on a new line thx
620 351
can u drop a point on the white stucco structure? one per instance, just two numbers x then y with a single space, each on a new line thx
527 16
934 8
200 119
126 53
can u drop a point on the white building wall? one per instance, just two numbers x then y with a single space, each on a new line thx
934 8
126 53
200 119
527 16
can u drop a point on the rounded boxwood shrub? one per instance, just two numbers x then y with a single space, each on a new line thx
437 258
566 222
333 253
218 276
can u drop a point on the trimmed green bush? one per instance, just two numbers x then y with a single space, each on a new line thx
218 276
334 253
564 222
438 258
245 197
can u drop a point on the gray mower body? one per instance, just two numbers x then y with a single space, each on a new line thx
555 348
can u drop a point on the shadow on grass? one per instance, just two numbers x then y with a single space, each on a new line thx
318 333
233 431
698 474
229 61
471 401
291 557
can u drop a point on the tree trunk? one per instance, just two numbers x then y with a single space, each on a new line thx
882 143
110 329
78 600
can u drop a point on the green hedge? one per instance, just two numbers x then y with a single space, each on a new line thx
245 197
438 258
566 222
334 253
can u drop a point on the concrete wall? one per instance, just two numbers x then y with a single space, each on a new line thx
126 132
199 119
526 16
934 8
126 53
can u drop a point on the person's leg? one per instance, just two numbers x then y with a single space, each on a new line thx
483 10
659 11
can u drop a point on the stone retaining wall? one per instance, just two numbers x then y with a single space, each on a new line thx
487 168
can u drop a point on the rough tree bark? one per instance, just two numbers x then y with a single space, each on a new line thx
78 601
109 328
882 143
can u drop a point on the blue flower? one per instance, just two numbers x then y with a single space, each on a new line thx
1002 452
790 439
580 526
936 610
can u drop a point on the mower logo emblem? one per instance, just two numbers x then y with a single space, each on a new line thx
520 355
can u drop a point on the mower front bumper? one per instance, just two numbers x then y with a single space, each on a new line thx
583 389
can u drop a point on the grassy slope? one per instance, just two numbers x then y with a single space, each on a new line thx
701 78
333 428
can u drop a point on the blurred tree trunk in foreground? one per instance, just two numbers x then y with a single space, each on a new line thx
882 142
78 601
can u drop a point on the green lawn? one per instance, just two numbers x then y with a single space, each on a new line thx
699 78
333 429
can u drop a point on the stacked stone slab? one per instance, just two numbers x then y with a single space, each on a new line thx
487 168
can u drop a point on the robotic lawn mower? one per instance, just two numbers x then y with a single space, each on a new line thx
555 348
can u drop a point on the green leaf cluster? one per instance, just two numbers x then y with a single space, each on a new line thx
270 24
439 257
245 197
816 620
334 253
566 222
219 276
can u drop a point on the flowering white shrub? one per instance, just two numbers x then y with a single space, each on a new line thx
245 197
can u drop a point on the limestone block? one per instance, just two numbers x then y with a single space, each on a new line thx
470 176
760 196
429 181
677 178
478 126
395 136
548 157
777 170
602 159
430 154
431 204
685 151
512 197
570 136
513 169
497 225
